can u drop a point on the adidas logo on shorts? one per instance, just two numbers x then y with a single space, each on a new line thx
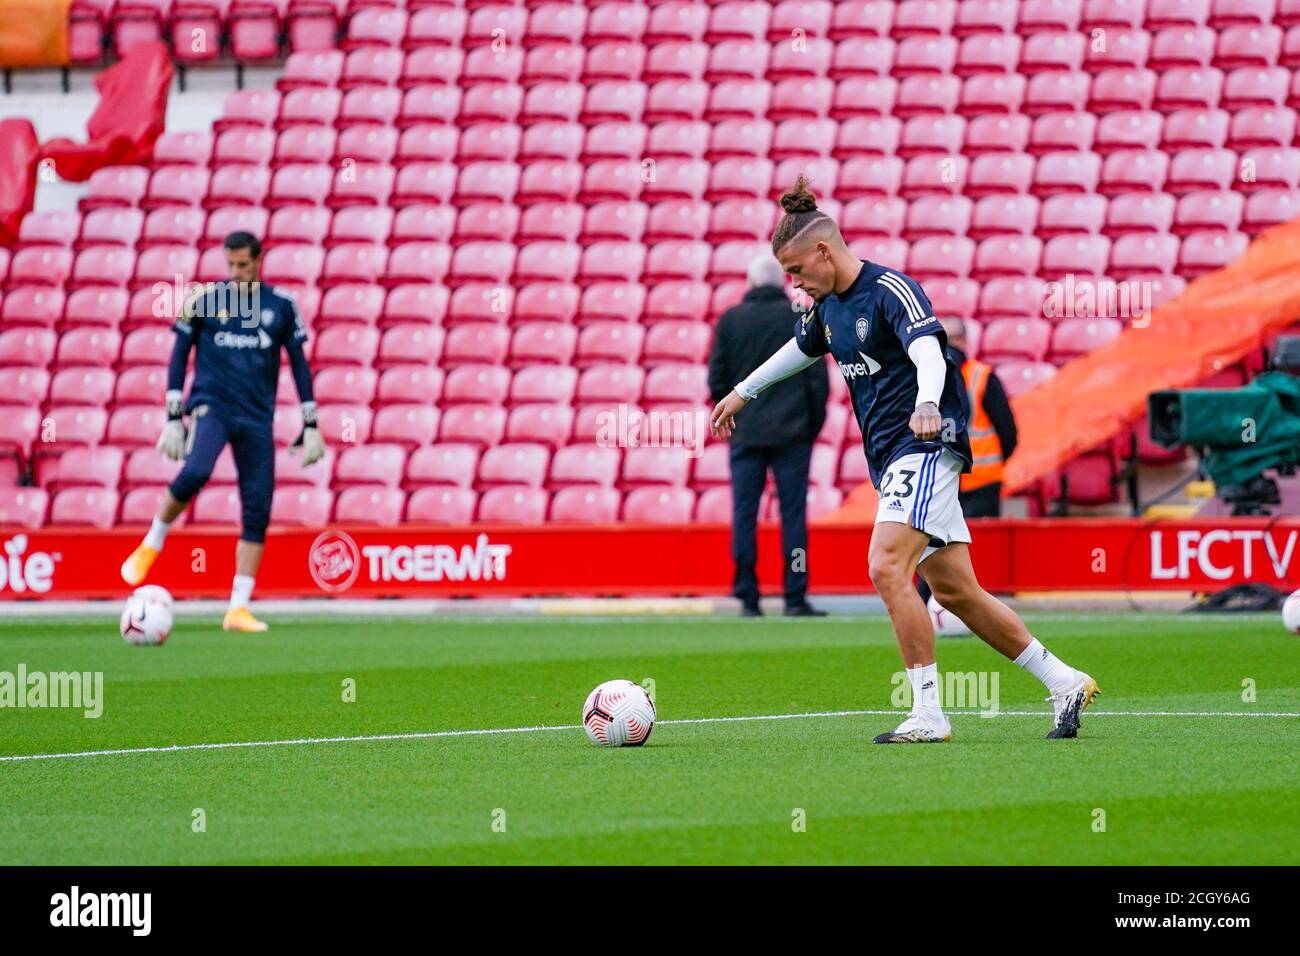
895 505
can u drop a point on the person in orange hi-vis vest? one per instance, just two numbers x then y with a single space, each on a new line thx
992 429
992 440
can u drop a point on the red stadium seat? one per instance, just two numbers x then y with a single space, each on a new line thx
443 506
297 505
146 346
1197 169
84 507
372 464
370 505
1133 171
1066 173
346 345
993 173
1268 208
87 467
539 422
33 305
513 504
1007 255
1128 130
655 466
1255 86
1072 338
410 425
1204 211
1086 255
475 424
444 464
585 465
585 505
610 383
944 256
514 464
136 426
1025 339
999 215
656 505
1139 212
343 384
1185 47
1056 91
1052 51
1261 127
476 384
1203 252
419 262
620 301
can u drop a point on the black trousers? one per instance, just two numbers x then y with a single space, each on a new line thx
254 448
982 502
749 467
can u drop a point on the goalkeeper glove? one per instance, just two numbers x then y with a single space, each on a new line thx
171 443
310 441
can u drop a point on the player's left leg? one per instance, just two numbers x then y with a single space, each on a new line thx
892 559
952 578
254 450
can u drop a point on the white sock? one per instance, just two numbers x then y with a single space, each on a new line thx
925 690
157 533
1047 667
242 592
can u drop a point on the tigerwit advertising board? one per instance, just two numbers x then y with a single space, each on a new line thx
628 559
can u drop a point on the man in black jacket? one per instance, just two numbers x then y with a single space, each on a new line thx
779 435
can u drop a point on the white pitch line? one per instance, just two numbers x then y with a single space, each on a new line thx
429 735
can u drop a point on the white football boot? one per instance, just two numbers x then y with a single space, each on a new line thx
1069 706
919 729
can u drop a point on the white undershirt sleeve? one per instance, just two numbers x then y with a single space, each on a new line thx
788 360
931 369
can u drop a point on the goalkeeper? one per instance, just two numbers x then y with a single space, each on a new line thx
237 329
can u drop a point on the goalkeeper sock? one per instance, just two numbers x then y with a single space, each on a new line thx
1047 667
157 533
242 593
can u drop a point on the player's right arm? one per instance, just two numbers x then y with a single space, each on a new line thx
807 346
171 443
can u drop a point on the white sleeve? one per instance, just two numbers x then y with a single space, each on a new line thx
788 360
931 369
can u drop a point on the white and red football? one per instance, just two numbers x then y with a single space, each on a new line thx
618 713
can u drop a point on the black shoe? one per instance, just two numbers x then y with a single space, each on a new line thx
803 610
751 610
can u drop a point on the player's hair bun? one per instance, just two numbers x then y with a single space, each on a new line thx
799 197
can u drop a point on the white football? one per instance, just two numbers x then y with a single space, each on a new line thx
1291 613
618 713
945 622
147 617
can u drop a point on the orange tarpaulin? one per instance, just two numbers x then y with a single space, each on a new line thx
33 33
1218 320
129 119
1215 323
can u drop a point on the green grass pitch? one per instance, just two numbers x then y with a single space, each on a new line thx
1201 784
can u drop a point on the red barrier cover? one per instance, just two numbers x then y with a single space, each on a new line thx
19 153
415 561
129 119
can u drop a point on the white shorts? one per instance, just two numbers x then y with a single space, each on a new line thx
921 490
